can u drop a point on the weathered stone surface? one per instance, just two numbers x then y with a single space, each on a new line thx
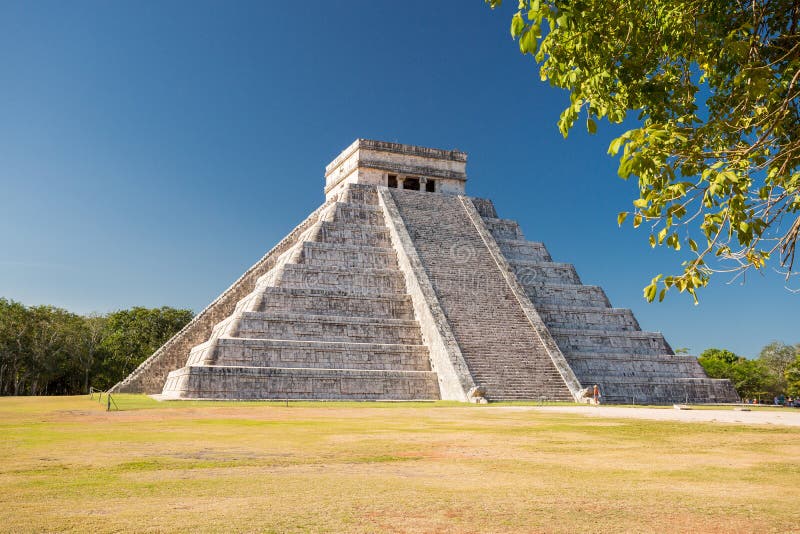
604 341
588 318
368 162
245 352
544 272
523 251
299 326
315 301
499 345
215 382
567 295
396 294
334 278
503 228
455 379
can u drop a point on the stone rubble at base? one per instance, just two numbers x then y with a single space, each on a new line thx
386 293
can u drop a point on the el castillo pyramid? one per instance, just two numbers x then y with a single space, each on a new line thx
400 287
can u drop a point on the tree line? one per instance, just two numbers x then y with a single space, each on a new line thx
774 373
45 350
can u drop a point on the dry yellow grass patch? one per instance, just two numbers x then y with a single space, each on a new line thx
67 465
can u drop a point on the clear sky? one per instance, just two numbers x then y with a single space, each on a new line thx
150 152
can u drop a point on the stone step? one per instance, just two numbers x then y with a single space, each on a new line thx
544 272
345 212
311 354
485 207
224 382
352 234
336 302
338 255
524 250
503 228
291 326
590 366
658 390
360 194
567 295
352 280
572 340
588 318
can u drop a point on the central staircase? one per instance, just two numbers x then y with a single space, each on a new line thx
503 352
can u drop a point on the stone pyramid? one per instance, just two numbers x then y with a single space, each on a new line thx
400 287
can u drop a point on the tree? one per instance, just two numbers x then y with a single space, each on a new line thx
751 378
47 350
714 89
776 357
792 375
718 363
15 328
133 335
86 335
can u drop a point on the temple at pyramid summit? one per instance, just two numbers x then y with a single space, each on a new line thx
401 287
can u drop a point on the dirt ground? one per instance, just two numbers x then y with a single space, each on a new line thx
787 417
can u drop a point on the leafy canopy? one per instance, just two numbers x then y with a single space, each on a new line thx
751 378
715 88
792 376
777 357
48 350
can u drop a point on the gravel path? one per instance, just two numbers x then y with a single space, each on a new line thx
790 417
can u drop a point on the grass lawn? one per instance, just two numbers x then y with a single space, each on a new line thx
66 464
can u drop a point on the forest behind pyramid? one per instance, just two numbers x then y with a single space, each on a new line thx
401 287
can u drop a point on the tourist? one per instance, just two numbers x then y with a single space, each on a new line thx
596 394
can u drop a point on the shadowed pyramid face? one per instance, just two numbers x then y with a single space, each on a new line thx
400 288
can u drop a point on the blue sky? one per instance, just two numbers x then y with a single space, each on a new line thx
151 151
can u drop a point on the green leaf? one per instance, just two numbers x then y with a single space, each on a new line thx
640 203
517 25
527 43
591 126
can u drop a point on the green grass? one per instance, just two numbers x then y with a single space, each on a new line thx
66 464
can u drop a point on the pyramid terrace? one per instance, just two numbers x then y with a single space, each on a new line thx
402 287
